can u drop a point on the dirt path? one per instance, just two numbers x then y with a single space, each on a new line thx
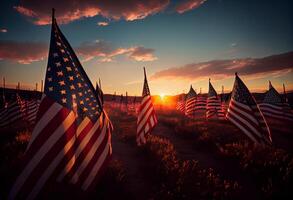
185 150
137 183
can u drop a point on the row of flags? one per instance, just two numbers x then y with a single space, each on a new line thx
243 110
71 139
19 111
274 106
125 103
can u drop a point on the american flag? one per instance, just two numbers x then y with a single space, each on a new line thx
181 104
11 113
246 115
100 91
214 107
200 106
29 109
71 140
190 102
147 118
273 105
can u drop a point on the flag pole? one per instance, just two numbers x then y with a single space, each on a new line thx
42 86
3 90
144 72
100 85
53 14
285 95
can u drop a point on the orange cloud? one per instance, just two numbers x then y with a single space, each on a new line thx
68 10
275 65
106 52
103 51
188 5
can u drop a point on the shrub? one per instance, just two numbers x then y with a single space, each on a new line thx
271 168
179 179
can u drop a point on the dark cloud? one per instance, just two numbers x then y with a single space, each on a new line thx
142 54
107 52
223 68
187 5
28 52
23 52
70 10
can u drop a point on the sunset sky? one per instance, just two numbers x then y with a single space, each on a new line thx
179 42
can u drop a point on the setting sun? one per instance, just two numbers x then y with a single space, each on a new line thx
162 95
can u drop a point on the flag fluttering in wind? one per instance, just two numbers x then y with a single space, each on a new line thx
181 104
100 91
29 109
273 105
200 105
245 114
214 107
71 140
11 113
147 118
190 102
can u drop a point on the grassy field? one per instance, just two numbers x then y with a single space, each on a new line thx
183 159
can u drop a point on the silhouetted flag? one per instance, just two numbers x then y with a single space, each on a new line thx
245 114
147 118
190 102
11 113
214 107
274 107
100 92
72 137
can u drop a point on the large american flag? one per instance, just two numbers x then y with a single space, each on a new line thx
190 102
214 107
147 118
246 115
273 105
71 140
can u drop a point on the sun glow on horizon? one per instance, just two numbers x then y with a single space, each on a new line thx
162 96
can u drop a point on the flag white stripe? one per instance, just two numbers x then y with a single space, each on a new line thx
90 154
43 122
41 153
